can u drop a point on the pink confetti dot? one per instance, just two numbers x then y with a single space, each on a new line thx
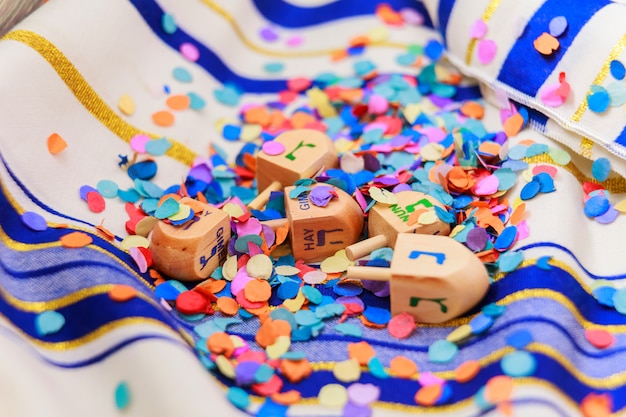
294 41
189 51
273 148
478 29
487 186
486 51
138 143
377 104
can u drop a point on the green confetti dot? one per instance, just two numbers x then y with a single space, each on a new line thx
442 351
518 364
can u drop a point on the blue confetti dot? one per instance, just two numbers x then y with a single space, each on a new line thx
34 221
312 294
377 315
49 322
604 295
600 169
481 323
509 261
182 74
530 190
596 206
274 67
546 183
143 170
122 396
271 409
519 339
288 289
599 100
169 290
506 238
619 300
264 373
518 364
376 368
493 310
231 132
347 289
306 318
406 59
168 23
238 397
617 70
349 329
433 49
442 351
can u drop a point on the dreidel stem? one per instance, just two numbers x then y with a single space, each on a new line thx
366 246
264 196
370 273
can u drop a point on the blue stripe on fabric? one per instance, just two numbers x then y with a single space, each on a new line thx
621 138
443 15
570 253
402 390
289 15
209 60
525 69
86 316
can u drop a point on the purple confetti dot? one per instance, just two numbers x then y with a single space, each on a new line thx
321 196
476 239
268 34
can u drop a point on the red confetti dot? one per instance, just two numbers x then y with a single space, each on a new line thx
401 325
191 302
95 202
599 338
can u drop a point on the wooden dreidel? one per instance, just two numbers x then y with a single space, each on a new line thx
386 221
434 278
319 232
193 250
295 154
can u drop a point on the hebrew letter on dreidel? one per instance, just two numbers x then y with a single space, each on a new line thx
439 257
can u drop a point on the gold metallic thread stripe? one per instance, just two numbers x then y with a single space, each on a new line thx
604 71
283 54
615 185
487 14
87 96
586 146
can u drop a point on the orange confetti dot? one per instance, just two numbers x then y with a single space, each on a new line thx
220 343
257 115
428 395
163 118
121 293
597 405
489 148
266 335
361 352
104 232
178 102
76 240
467 371
227 306
56 144
513 125
283 328
403 367
258 290
498 388
389 16
287 398
546 44
211 285
295 370
473 109
518 214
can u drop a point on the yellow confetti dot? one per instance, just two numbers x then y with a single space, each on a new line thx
347 371
250 132
457 229
429 217
233 210
383 196
145 226
295 304
378 34
527 175
279 347
333 395
134 241
432 151
459 334
260 266
225 366
126 104
184 211
229 269
238 342
287 270
621 206
334 264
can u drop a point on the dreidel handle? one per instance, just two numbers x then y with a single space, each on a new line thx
370 273
366 246
264 196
